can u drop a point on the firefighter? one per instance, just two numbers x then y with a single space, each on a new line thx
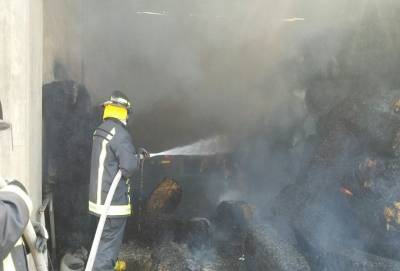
112 150
15 209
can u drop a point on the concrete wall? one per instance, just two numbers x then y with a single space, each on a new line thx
62 39
21 35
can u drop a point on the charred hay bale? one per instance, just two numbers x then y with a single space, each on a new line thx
267 250
353 259
324 214
197 233
333 157
368 121
232 221
170 256
376 204
373 115
371 189
317 206
321 178
67 123
332 257
158 223
336 144
165 198
323 94
157 229
232 216
318 209
325 249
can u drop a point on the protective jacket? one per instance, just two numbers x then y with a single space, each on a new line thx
15 207
112 150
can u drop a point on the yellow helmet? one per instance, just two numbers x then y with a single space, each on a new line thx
118 106
120 99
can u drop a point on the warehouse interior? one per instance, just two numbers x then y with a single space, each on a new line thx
286 117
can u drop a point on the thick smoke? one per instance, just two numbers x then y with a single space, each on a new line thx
262 72
202 68
238 68
198 69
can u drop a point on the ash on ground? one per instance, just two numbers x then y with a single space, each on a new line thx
170 256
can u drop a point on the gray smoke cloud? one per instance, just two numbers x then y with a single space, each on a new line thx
197 69
201 68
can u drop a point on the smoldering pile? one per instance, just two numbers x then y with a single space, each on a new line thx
341 212
68 124
229 240
346 198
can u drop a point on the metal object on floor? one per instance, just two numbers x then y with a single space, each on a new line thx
48 203
141 189
52 229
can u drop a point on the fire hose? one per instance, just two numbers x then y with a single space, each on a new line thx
100 226
30 239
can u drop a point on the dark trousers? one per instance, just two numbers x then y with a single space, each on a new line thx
110 244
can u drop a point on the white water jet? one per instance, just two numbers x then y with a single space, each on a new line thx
204 147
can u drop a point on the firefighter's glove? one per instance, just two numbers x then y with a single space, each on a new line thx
143 153
41 237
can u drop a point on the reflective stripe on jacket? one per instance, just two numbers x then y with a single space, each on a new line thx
112 150
14 215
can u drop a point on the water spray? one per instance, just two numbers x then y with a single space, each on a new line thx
204 147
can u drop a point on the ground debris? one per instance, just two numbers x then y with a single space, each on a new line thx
267 250
136 257
170 256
